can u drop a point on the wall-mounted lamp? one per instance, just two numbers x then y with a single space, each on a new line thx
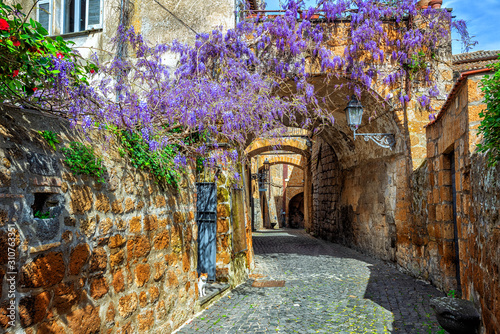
263 176
354 115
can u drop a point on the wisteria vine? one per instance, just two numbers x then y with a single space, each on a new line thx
251 81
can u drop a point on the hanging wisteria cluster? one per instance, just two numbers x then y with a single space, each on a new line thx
237 84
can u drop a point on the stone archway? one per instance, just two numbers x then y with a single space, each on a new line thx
293 151
289 169
351 187
297 145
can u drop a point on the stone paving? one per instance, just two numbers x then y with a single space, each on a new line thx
329 289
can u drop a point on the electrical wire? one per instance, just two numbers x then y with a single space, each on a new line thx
178 19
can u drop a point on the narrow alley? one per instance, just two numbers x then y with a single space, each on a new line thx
327 288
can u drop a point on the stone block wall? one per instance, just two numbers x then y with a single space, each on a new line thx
356 206
449 150
458 249
480 244
233 256
116 257
327 186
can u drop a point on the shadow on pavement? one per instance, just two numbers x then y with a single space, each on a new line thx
406 298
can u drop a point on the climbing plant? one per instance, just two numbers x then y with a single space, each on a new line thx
236 84
50 137
34 68
160 162
81 159
490 124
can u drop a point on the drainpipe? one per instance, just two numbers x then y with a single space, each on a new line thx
121 46
285 176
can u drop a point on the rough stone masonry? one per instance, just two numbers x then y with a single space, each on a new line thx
115 257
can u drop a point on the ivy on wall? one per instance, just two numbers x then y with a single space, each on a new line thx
490 124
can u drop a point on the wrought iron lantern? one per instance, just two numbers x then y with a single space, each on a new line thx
262 177
354 116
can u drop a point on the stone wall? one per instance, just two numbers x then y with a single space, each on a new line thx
356 206
294 187
232 261
327 186
115 257
480 249
454 239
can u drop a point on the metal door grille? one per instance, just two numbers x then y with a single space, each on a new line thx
206 218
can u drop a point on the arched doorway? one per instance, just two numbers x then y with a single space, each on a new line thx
296 211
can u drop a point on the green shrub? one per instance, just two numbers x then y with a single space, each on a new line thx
81 159
160 162
41 215
490 125
50 137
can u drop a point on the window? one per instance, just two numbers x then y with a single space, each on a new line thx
44 15
75 15
80 15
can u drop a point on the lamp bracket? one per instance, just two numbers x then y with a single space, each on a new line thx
385 140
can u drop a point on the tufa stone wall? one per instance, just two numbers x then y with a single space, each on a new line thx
115 257
233 256
480 243
454 239
356 206
327 185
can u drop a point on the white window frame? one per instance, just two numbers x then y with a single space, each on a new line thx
41 2
77 5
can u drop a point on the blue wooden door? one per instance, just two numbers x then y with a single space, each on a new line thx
206 218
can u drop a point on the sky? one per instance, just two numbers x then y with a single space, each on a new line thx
482 17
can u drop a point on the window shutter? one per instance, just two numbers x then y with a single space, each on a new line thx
93 13
44 15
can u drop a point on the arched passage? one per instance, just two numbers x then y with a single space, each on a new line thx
296 211
296 160
289 171
350 185
293 151
297 145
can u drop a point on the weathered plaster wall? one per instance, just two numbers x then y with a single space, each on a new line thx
149 19
294 186
117 257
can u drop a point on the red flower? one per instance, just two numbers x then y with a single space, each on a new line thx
92 70
59 55
35 89
15 73
16 43
4 25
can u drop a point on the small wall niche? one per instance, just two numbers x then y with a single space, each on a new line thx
46 203
40 200
46 210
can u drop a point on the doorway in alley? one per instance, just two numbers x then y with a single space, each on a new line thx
296 211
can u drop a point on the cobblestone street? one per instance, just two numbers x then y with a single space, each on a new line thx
328 289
